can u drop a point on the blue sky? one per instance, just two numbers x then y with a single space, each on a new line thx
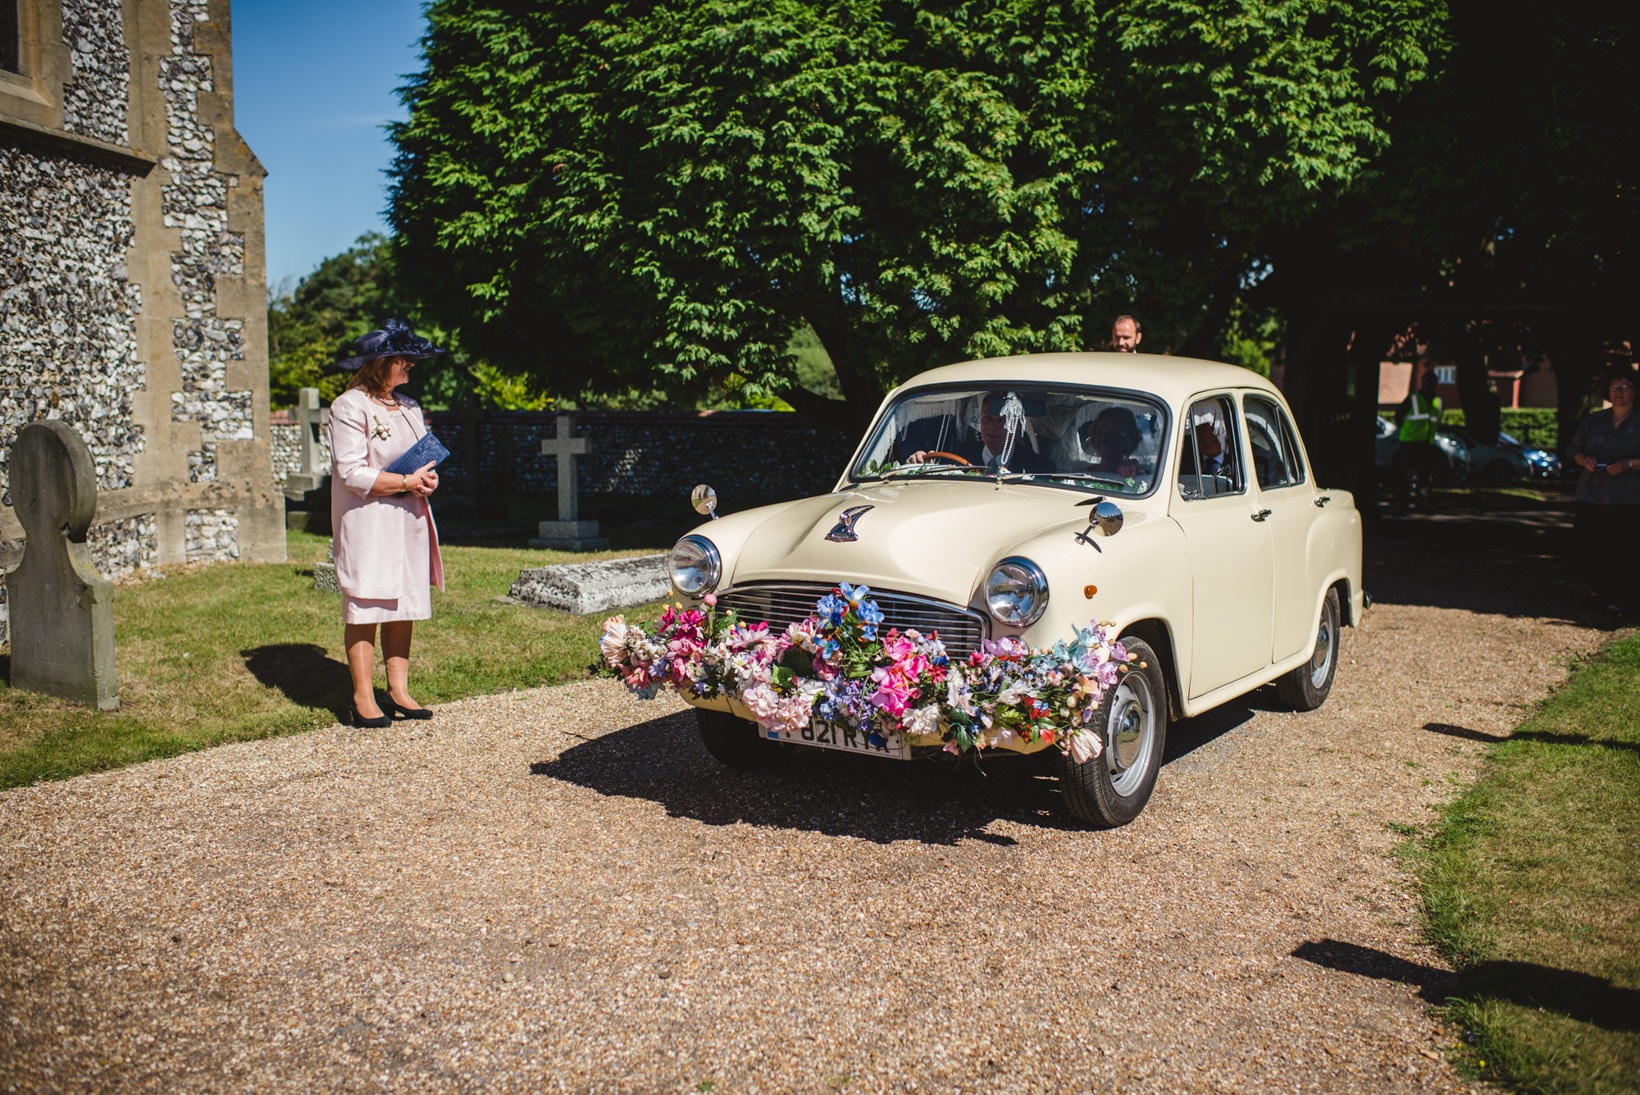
314 82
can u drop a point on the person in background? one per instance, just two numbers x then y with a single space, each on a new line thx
1125 335
1607 522
1418 417
385 542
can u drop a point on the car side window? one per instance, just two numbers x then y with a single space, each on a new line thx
1275 452
1209 461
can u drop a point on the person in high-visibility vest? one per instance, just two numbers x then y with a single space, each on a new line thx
1419 417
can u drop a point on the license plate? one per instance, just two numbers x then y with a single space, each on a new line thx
845 738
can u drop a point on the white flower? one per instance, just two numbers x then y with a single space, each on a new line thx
1085 745
613 641
923 720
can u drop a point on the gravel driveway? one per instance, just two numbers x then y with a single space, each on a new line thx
558 889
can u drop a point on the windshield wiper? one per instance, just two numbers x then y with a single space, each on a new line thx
1079 476
917 471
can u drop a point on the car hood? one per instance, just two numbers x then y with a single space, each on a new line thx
928 538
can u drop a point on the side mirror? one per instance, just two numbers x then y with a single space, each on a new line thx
1108 517
704 499
1104 518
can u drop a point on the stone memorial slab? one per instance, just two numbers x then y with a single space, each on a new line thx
581 588
324 572
568 533
61 610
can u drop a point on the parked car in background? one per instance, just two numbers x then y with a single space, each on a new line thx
1451 470
1541 463
1013 501
1495 461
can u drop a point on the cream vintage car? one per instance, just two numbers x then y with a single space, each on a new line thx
1027 496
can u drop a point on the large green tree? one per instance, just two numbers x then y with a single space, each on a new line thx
618 195
312 326
1502 224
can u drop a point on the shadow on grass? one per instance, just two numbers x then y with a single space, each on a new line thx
1579 996
1540 736
304 673
835 793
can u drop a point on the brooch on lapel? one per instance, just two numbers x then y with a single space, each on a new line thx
380 430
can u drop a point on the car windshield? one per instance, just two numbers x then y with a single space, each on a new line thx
1096 439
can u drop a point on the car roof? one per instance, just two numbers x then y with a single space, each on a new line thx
1174 379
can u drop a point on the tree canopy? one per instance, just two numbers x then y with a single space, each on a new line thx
631 194
312 326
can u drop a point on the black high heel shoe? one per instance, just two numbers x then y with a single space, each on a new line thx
406 712
377 723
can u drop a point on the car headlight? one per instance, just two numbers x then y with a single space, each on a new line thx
1017 592
696 566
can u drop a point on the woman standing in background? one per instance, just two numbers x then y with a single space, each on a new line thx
1607 448
386 545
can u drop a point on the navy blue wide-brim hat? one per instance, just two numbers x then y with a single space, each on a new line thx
395 339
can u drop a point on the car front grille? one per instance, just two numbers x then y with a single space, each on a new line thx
783 603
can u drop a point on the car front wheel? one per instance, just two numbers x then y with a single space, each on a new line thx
1112 788
735 742
1306 688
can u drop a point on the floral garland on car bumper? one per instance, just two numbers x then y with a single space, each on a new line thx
834 667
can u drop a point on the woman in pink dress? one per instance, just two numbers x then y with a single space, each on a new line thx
385 542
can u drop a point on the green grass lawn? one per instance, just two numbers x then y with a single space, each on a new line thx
1531 885
215 654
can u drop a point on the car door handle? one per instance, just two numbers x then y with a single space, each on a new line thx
1322 500
1260 515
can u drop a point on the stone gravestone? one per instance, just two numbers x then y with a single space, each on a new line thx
312 464
62 610
568 533
308 486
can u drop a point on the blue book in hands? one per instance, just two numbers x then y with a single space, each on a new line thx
428 450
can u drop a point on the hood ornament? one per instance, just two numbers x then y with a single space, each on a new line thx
843 531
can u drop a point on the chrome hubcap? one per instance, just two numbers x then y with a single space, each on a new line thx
1130 734
1321 660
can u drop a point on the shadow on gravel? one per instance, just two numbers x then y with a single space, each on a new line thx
1491 553
304 673
839 794
1543 736
1580 996
825 792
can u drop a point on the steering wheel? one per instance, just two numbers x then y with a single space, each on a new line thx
949 456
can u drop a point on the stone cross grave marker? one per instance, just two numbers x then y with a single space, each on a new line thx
568 533
62 610
312 467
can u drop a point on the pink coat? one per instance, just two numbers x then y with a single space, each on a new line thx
383 545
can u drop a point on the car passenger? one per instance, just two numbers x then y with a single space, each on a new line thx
992 448
1112 438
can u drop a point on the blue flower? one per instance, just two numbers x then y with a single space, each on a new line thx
831 609
870 614
854 594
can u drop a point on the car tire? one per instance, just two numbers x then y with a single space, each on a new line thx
1111 789
1306 688
734 741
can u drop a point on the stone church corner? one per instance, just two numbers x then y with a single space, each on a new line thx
133 299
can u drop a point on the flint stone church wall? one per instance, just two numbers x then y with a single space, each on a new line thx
132 293
748 456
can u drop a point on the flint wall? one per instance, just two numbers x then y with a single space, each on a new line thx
748 456
132 287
